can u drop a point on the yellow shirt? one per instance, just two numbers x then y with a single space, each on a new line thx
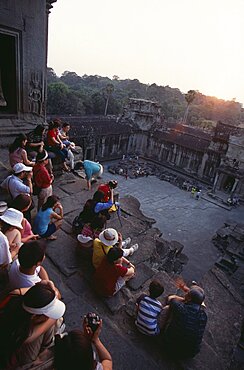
99 251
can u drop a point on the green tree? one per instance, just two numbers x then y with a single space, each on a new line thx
108 91
189 97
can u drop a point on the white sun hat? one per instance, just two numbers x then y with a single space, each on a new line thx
109 237
12 217
54 310
20 167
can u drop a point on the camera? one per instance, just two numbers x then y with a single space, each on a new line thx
113 184
93 321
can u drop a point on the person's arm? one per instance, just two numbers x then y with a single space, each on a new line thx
176 297
26 160
43 275
103 354
130 271
100 206
60 208
40 329
30 237
29 182
112 195
56 216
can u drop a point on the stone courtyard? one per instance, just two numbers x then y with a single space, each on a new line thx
176 213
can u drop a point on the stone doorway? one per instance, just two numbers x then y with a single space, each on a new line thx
8 86
228 183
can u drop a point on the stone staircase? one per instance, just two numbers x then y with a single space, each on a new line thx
72 272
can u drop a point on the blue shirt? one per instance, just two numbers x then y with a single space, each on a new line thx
42 220
91 168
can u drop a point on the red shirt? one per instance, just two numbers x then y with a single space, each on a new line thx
41 176
52 134
106 190
106 276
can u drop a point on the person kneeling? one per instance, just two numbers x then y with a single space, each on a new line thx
111 275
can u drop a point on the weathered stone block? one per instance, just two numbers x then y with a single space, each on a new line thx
143 273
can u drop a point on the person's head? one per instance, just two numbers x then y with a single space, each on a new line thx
22 202
113 184
50 202
39 130
12 218
21 171
155 289
98 223
195 295
73 351
16 319
66 127
19 142
109 237
41 299
42 157
32 254
114 255
98 196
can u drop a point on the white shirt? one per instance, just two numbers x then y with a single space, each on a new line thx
15 186
5 255
19 280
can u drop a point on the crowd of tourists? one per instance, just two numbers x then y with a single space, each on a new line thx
32 330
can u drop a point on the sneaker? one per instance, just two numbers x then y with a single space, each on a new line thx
61 329
126 242
133 248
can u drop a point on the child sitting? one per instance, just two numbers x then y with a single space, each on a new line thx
149 309
43 224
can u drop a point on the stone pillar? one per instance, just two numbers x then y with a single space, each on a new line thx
178 159
202 166
234 186
215 182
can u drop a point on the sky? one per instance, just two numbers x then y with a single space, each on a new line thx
188 44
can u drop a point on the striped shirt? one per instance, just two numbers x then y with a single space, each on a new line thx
148 312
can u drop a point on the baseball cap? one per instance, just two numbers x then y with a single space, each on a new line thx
20 167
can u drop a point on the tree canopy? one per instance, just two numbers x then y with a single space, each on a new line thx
84 95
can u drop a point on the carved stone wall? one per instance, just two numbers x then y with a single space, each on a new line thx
24 24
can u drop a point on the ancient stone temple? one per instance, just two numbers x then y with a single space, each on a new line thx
214 157
23 46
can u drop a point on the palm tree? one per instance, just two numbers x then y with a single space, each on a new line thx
109 90
189 97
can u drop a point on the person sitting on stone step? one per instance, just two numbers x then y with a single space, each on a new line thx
27 270
91 231
75 350
43 223
11 226
111 275
28 323
17 152
55 145
22 203
107 239
70 145
185 323
148 309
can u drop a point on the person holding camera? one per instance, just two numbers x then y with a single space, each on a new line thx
106 189
75 350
